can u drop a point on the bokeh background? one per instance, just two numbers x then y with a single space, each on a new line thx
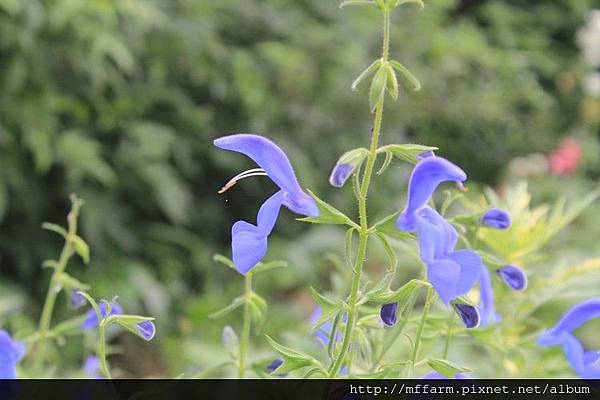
118 101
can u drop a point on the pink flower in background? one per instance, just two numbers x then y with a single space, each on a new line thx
566 158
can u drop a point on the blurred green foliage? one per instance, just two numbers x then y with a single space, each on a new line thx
119 100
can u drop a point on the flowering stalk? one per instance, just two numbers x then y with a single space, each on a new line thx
363 232
55 284
245 338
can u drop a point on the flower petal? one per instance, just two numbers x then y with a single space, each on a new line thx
470 269
444 276
573 319
388 314
436 236
468 314
514 277
248 246
428 174
487 307
273 160
340 174
496 218
11 353
268 213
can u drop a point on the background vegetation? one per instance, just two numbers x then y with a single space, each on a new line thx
118 101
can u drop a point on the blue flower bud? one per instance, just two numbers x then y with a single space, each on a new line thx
274 365
91 367
425 154
469 314
514 277
340 174
388 314
77 300
147 329
496 218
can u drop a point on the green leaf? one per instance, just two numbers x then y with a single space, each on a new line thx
292 359
130 322
262 267
407 152
225 261
258 308
329 308
81 247
401 2
55 228
389 251
224 311
386 162
402 294
446 367
356 3
387 226
327 214
392 83
368 71
378 87
231 342
412 81
69 282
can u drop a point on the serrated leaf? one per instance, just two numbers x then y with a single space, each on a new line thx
368 71
392 83
446 367
407 76
224 311
387 226
406 152
262 267
225 261
81 247
327 214
292 359
377 89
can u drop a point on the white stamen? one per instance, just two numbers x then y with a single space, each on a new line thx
240 176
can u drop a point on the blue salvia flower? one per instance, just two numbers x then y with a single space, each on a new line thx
249 242
513 276
468 314
91 367
340 174
91 320
76 299
276 363
388 314
147 330
437 375
496 218
585 363
11 352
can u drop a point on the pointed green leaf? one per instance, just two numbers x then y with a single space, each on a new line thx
329 308
368 71
81 247
235 304
292 359
130 322
55 228
262 267
69 282
392 83
387 226
328 214
402 294
378 87
225 261
389 251
446 367
412 81
258 308
407 152
386 162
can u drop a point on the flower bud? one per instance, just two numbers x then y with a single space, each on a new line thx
496 218
469 314
514 277
346 166
388 314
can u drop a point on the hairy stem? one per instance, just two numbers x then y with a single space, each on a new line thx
55 287
363 232
245 338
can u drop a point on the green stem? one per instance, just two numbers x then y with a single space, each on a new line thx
419 333
55 286
363 232
448 335
245 338
102 349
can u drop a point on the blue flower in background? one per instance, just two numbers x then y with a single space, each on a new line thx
487 308
469 314
91 367
249 242
437 375
91 320
513 276
585 363
323 332
496 218
77 300
388 314
11 352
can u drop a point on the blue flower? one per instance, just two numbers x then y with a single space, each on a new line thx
427 175
77 300
584 363
437 375
340 174
276 363
91 367
513 276
91 320
249 242
11 352
496 218
487 308
147 330
323 332
388 314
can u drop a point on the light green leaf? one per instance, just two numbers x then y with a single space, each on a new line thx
378 85
446 367
407 152
292 359
389 251
386 162
392 83
387 226
368 71
224 311
402 294
130 322
329 308
55 228
225 261
258 308
327 214
69 282
412 80
81 247
262 267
